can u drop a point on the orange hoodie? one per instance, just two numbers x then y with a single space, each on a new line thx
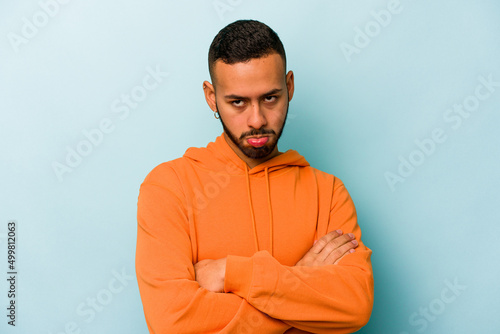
210 205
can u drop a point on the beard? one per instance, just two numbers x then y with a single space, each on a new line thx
254 152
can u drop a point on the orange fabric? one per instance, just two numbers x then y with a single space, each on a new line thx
210 205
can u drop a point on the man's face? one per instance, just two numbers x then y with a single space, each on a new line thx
252 100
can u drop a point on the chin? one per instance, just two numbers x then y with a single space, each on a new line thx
257 153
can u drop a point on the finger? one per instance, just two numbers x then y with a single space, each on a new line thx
324 240
335 256
346 253
334 244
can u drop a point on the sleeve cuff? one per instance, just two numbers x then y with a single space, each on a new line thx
239 275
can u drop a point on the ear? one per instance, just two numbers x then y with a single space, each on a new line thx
209 91
290 85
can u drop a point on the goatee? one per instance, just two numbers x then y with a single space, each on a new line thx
254 152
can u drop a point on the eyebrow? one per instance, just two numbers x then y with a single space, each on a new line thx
237 97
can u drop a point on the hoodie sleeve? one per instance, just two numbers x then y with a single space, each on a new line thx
173 301
324 299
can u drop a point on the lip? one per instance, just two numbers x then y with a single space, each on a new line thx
257 137
264 140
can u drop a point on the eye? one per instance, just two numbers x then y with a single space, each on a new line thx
270 98
237 103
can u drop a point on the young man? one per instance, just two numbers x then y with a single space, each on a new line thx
237 237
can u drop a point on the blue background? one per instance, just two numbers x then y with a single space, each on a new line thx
355 114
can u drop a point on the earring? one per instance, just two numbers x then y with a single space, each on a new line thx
216 117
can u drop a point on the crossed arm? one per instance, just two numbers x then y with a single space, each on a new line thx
329 290
329 249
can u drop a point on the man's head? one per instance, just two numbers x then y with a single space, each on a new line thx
241 41
250 89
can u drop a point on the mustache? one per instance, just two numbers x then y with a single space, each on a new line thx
256 132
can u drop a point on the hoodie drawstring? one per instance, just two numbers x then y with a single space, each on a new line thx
270 210
251 210
256 241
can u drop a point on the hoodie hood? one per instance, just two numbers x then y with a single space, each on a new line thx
218 155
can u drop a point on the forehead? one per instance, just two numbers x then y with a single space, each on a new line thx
255 76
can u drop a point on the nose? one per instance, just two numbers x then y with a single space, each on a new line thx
256 119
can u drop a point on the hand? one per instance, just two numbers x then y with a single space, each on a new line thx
210 274
329 249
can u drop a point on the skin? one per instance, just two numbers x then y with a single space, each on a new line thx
252 100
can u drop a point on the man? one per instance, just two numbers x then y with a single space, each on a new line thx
237 237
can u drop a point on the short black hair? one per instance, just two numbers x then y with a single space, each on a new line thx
242 41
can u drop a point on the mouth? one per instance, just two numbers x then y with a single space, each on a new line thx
258 141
